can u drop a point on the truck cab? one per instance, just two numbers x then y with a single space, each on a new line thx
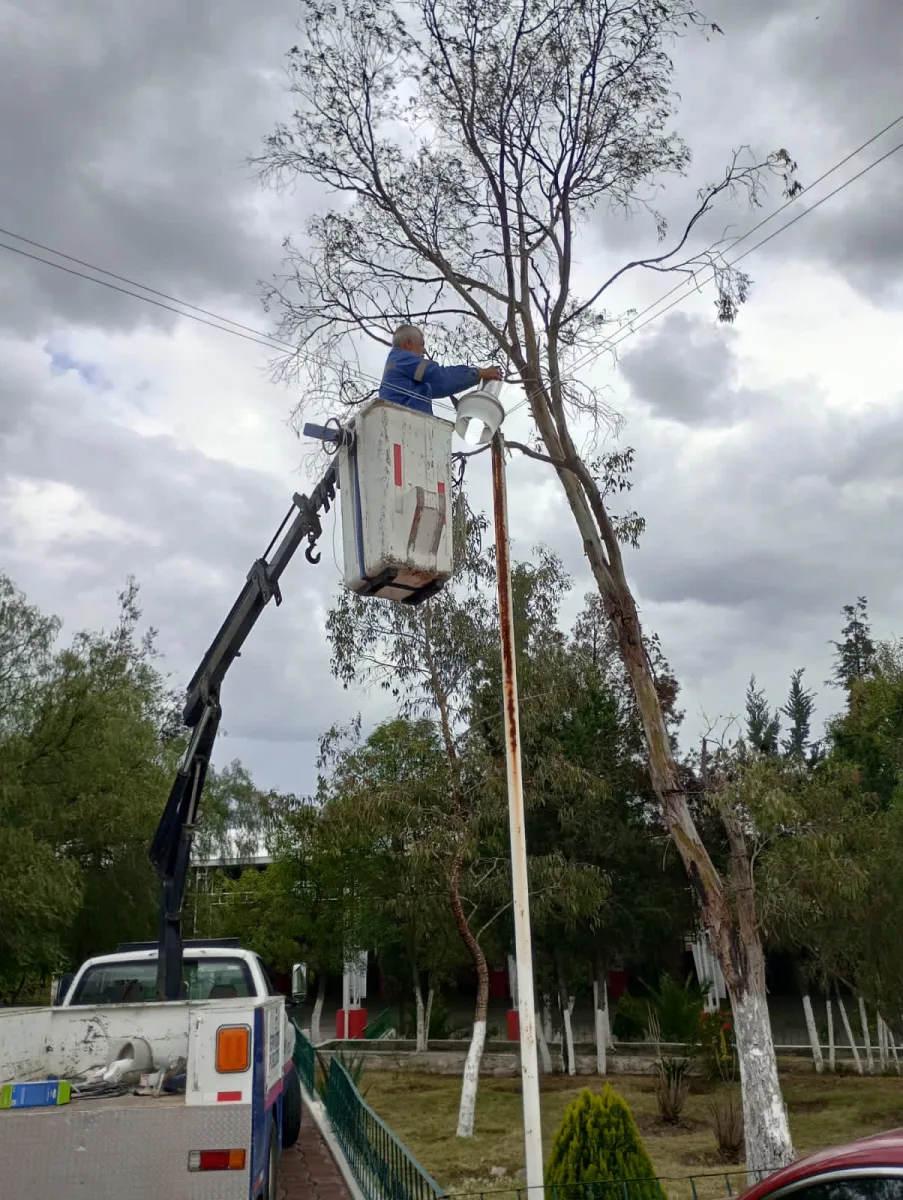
212 970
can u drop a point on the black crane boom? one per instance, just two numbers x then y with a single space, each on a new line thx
171 848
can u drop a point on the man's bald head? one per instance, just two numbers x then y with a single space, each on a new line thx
410 338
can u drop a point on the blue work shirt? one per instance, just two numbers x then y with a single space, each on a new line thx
399 385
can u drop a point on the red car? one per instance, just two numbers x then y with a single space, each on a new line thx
870 1169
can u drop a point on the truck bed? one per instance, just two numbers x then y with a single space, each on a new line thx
45 1151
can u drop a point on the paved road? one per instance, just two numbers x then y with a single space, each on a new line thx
308 1171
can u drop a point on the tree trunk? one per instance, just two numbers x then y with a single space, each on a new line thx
892 1046
867 1041
832 1052
478 1041
567 1007
569 1036
600 1010
882 1042
768 1140
318 1009
471 1080
545 1058
547 1018
766 1128
422 1027
849 1031
428 1016
813 1035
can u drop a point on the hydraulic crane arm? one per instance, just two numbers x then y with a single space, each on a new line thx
171 847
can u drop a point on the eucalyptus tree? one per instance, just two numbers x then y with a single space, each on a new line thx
467 149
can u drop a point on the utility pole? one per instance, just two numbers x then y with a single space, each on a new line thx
529 1065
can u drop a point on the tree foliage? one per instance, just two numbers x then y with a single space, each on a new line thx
85 758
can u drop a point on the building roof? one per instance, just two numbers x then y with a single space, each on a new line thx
238 848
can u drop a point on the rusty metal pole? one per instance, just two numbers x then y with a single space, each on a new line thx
529 1065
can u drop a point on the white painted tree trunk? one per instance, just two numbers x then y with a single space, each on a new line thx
602 1021
318 1010
849 1032
422 1026
864 1021
547 1018
813 1035
768 1143
545 1058
428 1016
892 1046
471 1080
569 1036
832 1052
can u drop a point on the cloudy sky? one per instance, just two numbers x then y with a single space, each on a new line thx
134 441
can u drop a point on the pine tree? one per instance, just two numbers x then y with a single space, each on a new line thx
798 711
762 725
854 657
598 1140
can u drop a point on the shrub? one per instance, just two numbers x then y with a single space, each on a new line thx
672 1084
599 1141
678 1009
727 1126
629 1019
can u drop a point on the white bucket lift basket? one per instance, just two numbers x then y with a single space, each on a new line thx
395 487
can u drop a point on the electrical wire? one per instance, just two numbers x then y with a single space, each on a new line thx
246 332
764 241
628 328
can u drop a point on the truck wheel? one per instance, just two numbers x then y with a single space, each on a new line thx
291 1109
273 1172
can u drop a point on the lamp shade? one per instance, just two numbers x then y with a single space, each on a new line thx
480 413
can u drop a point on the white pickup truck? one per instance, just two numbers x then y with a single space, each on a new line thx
193 1098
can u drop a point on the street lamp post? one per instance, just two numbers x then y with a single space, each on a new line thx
484 407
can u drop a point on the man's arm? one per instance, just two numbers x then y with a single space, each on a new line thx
446 381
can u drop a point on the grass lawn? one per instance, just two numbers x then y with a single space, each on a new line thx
422 1111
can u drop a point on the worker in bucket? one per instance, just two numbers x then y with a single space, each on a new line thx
411 379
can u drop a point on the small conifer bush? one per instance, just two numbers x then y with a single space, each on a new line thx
598 1141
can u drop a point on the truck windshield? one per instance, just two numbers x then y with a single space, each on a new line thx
136 982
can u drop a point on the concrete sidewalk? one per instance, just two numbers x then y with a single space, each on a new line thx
308 1171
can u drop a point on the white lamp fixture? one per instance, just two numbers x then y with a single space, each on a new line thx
480 413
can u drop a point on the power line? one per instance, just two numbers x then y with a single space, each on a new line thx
270 344
629 327
763 241
210 319
134 283
765 220
248 333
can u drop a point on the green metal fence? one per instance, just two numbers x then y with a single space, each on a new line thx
305 1059
382 1166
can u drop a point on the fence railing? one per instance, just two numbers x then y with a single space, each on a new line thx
305 1059
715 1185
382 1166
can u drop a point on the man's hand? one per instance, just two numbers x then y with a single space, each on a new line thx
485 374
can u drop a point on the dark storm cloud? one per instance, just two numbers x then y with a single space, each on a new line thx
685 371
817 77
189 528
786 512
123 135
